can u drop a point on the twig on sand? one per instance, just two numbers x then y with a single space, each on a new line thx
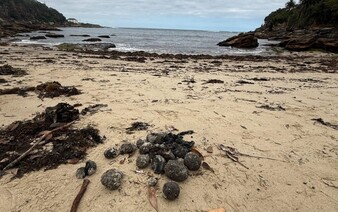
45 136
233 153
328 124
79 196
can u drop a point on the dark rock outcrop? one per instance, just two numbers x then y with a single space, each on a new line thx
52 35
103 36
92 40
86 47
300 43
37 38
243 40
80 35
303 26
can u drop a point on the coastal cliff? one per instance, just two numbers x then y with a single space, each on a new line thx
27 15
18 16
311 24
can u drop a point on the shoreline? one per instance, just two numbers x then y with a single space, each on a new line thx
262 106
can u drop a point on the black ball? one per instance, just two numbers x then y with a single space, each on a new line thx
171 190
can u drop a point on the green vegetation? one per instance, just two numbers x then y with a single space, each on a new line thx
29 11
306 14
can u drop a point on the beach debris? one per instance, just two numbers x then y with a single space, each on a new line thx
152 181
79 196
262 79
157 164
93 109
137 126
206 166
52 146
214 81
142 161
45 136
55 89
192 161
111 153
61 113
9 70
176 170
232 154
80 173
90 167
244 82
197 152
127 148
112 179
272 108
171 190
140 142
188 132
146 148
209 149
19 91
152 197
328 124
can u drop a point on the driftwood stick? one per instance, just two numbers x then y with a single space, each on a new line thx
79 196
45 135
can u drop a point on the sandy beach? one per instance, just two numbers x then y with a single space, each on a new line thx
263 106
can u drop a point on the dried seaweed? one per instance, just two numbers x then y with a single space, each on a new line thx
137 126
328 124
65 145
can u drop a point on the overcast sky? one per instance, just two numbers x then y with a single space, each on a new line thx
219 15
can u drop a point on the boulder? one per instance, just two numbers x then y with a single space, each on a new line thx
80 35
328 44
300 43
104 36
52 35
37 38
243 40
92 40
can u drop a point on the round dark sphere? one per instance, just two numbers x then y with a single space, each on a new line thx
171 190
139 142
112 179
127 148
90 167
152 182
175 170
80 173
145 148
180 151
156 138
157 164
192 161
142 161
111 153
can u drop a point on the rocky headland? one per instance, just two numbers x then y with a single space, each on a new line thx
299 27
16 17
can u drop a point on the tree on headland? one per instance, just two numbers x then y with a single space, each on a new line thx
306 14
290 4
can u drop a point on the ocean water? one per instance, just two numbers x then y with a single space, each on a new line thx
154 40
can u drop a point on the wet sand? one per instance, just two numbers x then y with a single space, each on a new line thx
263 107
